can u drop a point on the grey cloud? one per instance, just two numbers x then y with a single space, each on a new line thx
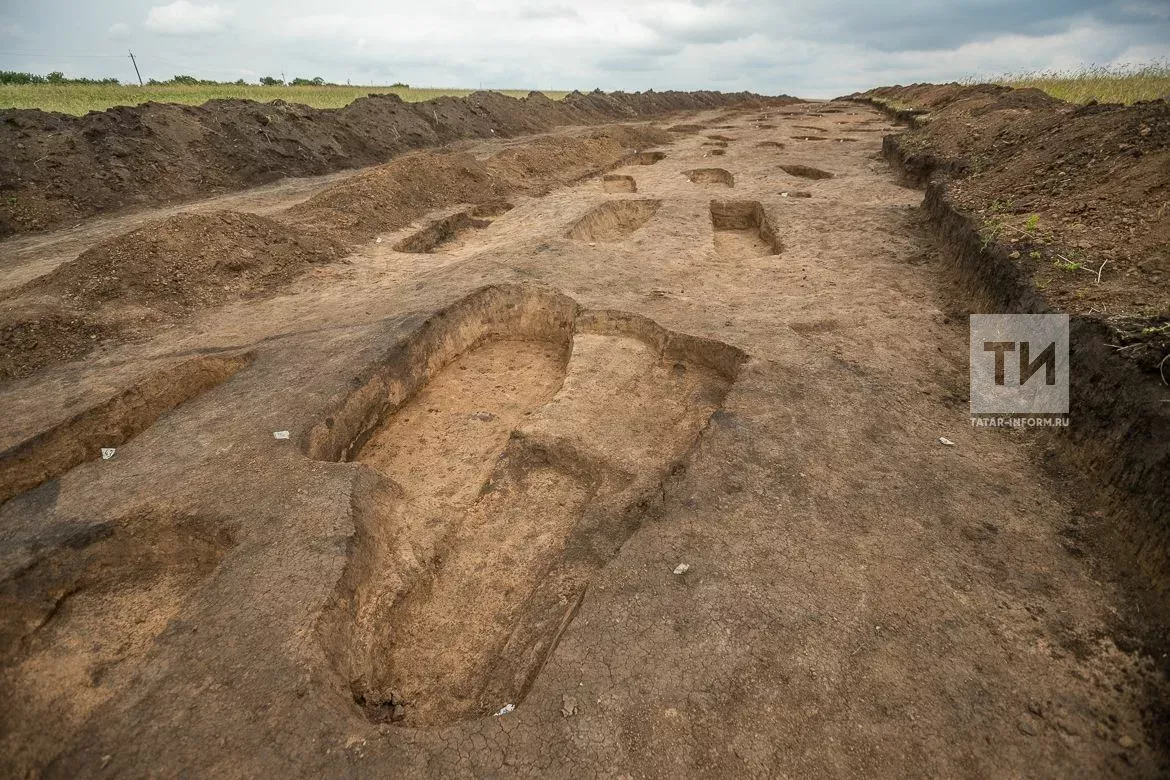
820 49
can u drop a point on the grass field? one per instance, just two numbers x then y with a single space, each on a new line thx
81 98
1105 84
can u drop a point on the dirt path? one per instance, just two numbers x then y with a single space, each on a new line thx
672 486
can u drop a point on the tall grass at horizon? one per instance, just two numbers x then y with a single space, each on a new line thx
1104 83
82 98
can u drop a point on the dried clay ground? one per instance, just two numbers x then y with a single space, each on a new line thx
654 457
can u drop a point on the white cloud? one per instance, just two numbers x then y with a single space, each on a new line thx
119 31
185 18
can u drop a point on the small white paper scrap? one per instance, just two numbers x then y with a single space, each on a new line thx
107 453
280 434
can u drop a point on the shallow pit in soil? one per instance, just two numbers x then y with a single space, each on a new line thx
616 182
448 232
743 229
806 172
648 158
53 452
614 220
77 625
716 176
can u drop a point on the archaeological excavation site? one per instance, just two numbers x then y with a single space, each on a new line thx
620 435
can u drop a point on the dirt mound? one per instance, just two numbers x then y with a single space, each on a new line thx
1078 193
189 260
35 334
58 168
390 196
148 276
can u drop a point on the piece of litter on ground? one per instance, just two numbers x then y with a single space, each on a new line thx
505 709
682 568
107 453
378 240
946 441
783 194
280 434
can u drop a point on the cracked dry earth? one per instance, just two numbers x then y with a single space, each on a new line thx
507 432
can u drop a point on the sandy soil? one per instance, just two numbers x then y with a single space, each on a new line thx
672 485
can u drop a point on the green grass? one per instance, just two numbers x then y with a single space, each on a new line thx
1103 83
81 98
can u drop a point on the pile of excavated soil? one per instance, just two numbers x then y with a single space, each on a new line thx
150 275
390 196
189 260
1078 192
35 334
58 168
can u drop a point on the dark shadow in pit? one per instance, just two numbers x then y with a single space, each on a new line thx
806 172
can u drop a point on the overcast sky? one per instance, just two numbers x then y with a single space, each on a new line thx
812 49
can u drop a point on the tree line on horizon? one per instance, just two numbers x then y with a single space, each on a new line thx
57 77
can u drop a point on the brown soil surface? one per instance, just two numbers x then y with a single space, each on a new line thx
657 476
57 169
1082 193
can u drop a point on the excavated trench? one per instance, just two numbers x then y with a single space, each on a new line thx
719 176
742 228
616 182
451 230
55 451
648 158
613 220
77 625
806 172
509 449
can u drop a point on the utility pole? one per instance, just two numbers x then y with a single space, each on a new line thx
135 64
